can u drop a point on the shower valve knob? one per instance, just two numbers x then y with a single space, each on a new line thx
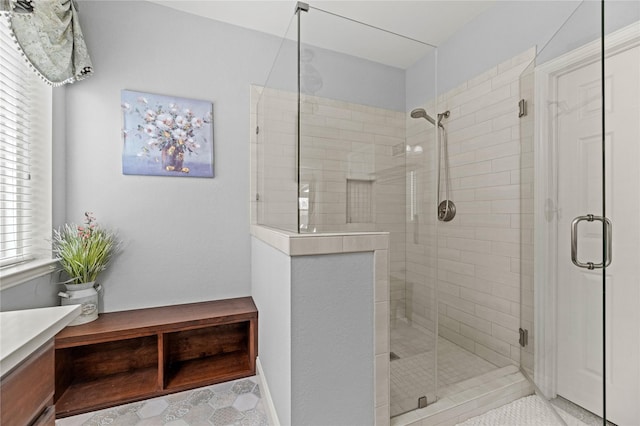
446 211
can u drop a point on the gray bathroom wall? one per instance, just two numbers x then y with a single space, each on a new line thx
343 77
271 291
332 340
508 28
503 31
185 239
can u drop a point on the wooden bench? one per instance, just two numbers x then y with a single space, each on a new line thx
133 355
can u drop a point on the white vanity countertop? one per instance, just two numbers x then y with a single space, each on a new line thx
22 332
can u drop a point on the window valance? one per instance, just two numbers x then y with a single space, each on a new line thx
48 35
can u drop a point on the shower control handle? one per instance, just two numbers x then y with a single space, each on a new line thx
607 242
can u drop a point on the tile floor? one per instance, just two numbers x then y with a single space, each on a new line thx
413 373
527 411
564 406
237 403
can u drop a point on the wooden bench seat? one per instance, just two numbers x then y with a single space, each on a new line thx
133 355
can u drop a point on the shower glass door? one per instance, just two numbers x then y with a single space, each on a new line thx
566 235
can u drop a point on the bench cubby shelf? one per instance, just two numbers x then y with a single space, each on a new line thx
133 355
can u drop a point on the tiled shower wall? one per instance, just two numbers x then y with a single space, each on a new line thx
273 193
479 251
339 141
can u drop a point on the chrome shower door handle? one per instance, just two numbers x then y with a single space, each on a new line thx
607 242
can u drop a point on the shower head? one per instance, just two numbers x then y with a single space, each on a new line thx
421 113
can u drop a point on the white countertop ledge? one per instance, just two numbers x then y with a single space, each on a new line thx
22 332
294 244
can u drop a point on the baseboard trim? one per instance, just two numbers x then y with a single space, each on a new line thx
266 396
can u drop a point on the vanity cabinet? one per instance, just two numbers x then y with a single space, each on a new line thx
26 392
133 355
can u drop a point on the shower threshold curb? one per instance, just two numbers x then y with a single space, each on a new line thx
470 398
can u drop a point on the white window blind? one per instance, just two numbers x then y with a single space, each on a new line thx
25 157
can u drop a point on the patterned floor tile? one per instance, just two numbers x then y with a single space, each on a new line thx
256 391
198 415
254 418
177 423
152 408
243 386
176 411
225 416
231 403
222 399
200 396
244 402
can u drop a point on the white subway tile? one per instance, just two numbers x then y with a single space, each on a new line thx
485 76
505 249
487 300
486 180
497 345
497 276
507 76
381 328
458 267
493 97
506 149
506 235
471 320
506 163
469 244
467 94
457 338
485 220
481 143
382 379
502 192
492 356
471 132
500 263
473 169
505 206
503 319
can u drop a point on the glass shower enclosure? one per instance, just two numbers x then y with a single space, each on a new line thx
337 152
536 274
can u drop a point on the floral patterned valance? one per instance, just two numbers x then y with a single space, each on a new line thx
49 36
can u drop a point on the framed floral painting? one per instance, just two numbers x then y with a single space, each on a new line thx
166 135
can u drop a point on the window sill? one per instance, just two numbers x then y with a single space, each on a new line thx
11 276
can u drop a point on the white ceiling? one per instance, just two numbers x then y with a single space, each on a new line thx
428 21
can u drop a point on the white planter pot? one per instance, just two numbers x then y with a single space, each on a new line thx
82 294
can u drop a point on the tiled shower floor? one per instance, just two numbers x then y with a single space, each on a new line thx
412 374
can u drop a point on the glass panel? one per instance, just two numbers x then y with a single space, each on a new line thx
527 176
365 165
622 207
561 315
276 178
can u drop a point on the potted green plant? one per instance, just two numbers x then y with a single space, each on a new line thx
83 253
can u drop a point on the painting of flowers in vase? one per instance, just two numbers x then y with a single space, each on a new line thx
166 135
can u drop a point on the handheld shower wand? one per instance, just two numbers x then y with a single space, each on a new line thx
446 208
